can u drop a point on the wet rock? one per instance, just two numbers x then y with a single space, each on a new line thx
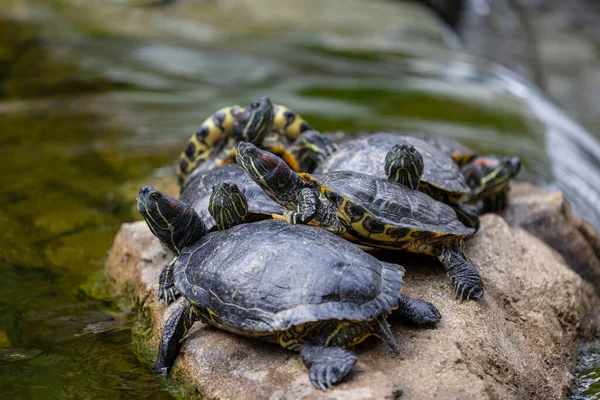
548 215
519 341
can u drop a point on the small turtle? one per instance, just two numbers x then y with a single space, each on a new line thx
219 133
301 287
368 210
198 188
489 176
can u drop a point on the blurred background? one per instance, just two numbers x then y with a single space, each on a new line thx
98 97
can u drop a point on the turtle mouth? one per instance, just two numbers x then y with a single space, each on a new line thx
141 207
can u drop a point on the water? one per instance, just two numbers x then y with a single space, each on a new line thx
587 382
99 97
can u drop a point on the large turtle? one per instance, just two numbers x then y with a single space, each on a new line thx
368 210
460 153
442 178
299 286
197 192
288 135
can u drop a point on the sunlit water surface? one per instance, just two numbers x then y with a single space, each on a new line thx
99 97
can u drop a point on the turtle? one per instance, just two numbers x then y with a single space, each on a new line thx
218 134
488 177
442 178
368 210
301 287
198 189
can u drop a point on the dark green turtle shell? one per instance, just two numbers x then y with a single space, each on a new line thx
269 276
198 187
391 204
367 155
459 153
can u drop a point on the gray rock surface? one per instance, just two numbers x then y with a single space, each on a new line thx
548 215
519 341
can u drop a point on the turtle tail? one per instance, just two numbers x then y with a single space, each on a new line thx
381 328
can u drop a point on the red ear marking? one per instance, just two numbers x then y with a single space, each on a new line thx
272 162
480 161
176 205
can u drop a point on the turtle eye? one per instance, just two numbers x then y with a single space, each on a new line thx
234 188
250 151
155 196
411 149
255 104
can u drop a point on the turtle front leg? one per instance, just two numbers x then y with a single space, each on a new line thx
166 283
176 328
495 202
465 277
326 365
468 214
307 208
417 310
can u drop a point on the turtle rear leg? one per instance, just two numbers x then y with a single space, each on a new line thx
327 365
176 328
166 283
418 311
465 277
468 214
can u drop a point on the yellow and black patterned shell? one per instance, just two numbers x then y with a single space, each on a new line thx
198 187
388 204
269 276
367 155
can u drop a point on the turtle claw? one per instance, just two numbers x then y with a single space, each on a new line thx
327 365
291 217
168 295
162 370
472 291
324 376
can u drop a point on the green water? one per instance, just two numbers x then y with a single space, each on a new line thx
587 374
99 97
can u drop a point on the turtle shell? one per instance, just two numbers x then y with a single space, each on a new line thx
198 187
269 276
367 155
460 154
387 210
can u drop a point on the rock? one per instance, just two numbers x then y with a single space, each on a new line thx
519 341
548 215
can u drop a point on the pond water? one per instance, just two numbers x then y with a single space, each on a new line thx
99 97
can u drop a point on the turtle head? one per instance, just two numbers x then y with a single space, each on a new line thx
312 148
175 223
404 165
489 175
252 124
227 205
270 172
